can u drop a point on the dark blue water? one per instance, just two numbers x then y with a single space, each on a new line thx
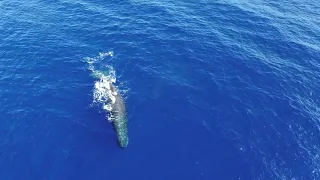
214 89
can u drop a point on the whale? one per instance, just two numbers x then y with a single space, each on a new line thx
119 116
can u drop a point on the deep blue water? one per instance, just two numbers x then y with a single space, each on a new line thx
214 89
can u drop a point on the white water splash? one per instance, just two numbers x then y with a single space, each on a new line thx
105 75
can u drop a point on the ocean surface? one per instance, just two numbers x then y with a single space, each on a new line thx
214 89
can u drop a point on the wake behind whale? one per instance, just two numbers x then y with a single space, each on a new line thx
107 96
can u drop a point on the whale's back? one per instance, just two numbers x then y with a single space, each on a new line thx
120 117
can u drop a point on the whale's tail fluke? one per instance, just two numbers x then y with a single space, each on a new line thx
122 131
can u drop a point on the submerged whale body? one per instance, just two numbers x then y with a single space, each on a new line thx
112 101
119 116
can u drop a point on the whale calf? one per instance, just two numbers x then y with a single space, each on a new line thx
119 116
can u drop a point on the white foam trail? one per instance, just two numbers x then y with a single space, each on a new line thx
102 55
94 60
